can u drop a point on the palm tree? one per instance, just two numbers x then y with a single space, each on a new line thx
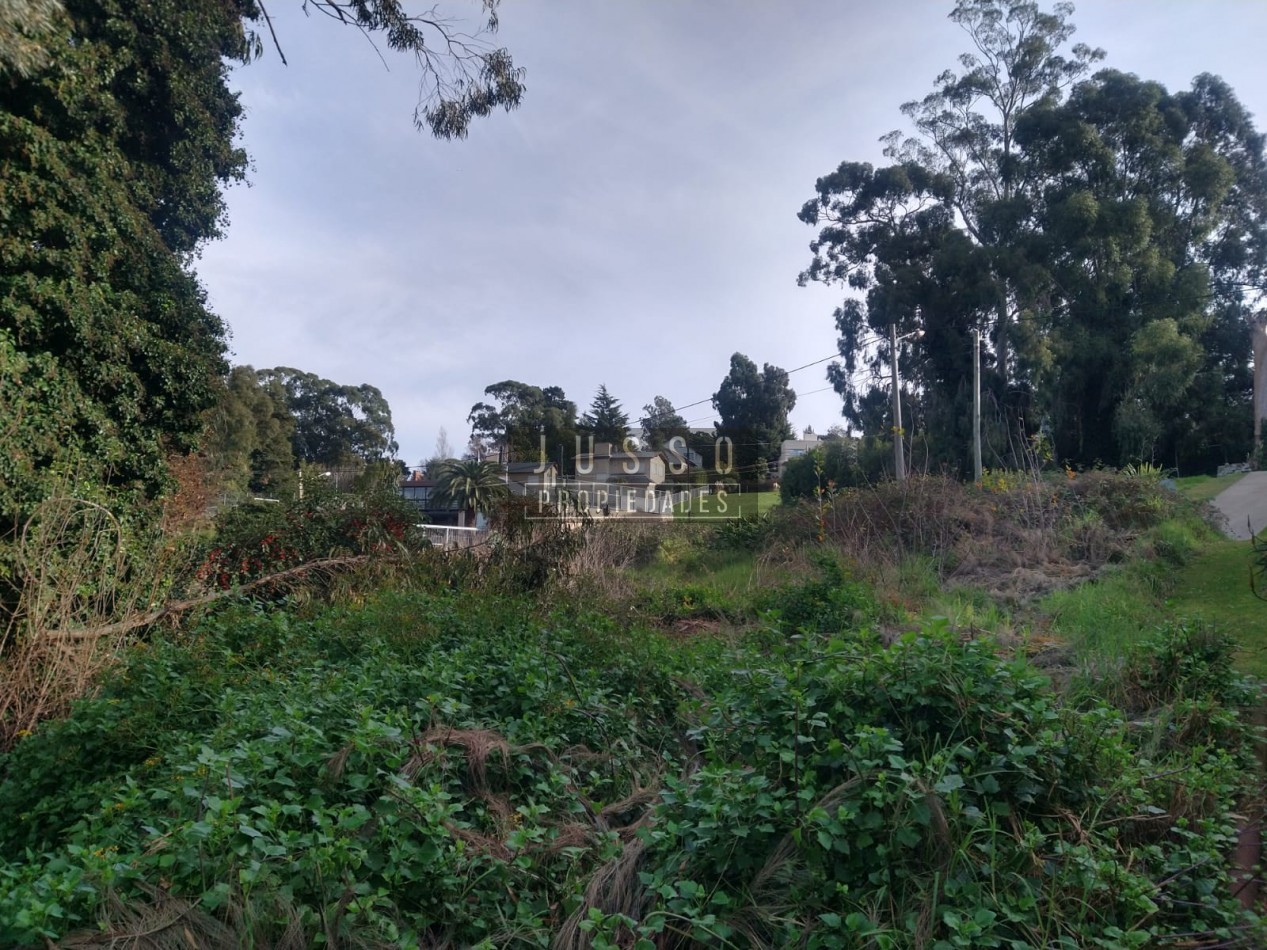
469 485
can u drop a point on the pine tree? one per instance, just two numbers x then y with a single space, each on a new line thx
606 421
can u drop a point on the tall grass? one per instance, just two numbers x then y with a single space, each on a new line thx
1109 616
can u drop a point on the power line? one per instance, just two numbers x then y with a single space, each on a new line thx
832 356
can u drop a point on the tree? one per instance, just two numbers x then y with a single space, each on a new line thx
521 416
463 77
249 434
112 156
754 406
443 451
661 422
334 424
606 421
1067 219
470 485
833 465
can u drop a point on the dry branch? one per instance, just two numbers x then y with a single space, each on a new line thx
181 606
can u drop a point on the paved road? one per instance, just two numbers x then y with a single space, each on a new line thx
1245 505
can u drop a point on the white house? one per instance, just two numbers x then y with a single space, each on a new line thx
794 448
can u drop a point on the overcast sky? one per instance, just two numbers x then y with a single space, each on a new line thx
633 223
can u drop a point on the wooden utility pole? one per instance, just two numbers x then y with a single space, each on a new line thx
899 450
976 405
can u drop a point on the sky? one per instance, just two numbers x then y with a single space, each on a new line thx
632 224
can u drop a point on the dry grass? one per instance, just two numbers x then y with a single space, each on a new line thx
76 573
1019 541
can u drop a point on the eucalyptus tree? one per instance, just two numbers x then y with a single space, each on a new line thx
753 406
661 422
334 424
1105 234
521 416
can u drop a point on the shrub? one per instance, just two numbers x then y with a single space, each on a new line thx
828 604
256 539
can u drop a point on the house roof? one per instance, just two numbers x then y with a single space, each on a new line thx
529 467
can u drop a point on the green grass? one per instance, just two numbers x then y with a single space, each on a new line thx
1196 579
1205 487
1109 616
736 505
1215 587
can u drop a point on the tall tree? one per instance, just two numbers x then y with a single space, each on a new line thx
112 156
754 405
661 422
335 424
250 433
521 416
605 421
1068 219
966 127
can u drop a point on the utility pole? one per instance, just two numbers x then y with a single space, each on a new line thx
976 405
899 450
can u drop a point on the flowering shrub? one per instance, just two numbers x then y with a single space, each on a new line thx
255 540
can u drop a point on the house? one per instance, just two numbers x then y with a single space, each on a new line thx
421 490
527 478
795 448
620 464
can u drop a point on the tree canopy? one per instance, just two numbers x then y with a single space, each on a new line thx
520 415
113 154
606 421
334 424
661 422
250 434
1105 235
754 405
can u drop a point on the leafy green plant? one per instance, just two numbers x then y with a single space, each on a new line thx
828 604
254 540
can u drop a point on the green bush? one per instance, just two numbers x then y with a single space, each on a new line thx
255 539
464 767
935 794
828 604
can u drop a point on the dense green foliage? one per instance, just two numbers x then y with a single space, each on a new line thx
250 433
112 158
661 422
256 539
753 406
523 417
606 421
836 463
441 767
334 424
1106 235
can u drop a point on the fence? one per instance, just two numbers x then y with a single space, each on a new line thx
451 537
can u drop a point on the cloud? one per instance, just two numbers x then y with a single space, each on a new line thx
633 224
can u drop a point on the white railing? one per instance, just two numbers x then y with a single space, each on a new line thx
450 537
